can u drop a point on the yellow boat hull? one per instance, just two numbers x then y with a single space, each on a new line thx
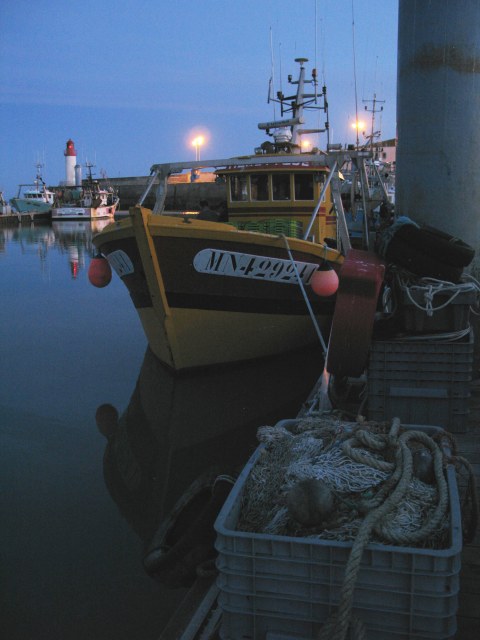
208 294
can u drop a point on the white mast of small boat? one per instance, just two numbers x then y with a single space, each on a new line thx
39 181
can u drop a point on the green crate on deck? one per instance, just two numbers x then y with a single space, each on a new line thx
275 226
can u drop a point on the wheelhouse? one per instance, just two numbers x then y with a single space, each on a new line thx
280 197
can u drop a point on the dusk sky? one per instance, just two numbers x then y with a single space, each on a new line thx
132 82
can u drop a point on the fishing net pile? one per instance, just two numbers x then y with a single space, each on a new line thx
322 477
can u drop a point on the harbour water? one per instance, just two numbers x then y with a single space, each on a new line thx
83 494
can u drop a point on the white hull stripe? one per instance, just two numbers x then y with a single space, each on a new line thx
245 265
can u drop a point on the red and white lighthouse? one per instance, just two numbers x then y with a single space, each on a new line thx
70 162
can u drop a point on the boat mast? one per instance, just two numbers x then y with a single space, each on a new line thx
38 176
297 106
89 166
287 133
373 111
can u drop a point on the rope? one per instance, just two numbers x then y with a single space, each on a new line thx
450 336
387 503
380 507
469 502
428 288
307 301
469 506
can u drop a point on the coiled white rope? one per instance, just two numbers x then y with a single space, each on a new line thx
428 288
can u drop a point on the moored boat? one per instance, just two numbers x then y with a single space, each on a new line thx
5 208
86 202
34 198
260 283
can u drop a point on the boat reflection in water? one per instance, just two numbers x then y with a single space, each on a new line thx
35 238
171 456
71 238
74 237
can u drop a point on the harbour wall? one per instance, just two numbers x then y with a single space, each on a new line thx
181 196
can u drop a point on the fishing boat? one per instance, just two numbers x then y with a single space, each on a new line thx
86 202
262 282
34 198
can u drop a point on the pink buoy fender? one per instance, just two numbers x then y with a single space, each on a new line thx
360 280
324 281
99 271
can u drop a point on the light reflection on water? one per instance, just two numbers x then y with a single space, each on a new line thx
80 507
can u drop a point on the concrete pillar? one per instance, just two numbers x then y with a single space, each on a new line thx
438 115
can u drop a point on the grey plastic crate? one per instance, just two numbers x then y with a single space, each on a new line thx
423 355
273 585
425 382
453 317
420 404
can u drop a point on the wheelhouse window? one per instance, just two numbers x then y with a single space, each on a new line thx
303 186
259 186
238 188
281 186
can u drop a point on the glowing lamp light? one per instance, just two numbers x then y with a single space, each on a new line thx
99 271
197 142
358 124
324 281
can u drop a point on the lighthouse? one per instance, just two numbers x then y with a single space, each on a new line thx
70 162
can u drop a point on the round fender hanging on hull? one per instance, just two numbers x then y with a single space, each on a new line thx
99 271
361 277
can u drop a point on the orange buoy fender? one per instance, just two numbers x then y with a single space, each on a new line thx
99 271
324 281
360 280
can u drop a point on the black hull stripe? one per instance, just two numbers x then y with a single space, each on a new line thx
247 305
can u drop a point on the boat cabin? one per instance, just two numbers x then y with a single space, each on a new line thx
36 195
280 198
44 196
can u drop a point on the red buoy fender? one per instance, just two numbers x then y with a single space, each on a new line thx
99 271
360 280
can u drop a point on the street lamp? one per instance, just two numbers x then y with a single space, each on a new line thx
357 125
306 145
197 143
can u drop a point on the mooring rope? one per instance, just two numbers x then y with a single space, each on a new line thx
381 506
305 297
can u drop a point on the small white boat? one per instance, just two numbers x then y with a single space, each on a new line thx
34 198
86 202
5 207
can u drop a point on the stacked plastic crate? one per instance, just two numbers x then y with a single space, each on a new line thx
421 382
277 587
425 376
